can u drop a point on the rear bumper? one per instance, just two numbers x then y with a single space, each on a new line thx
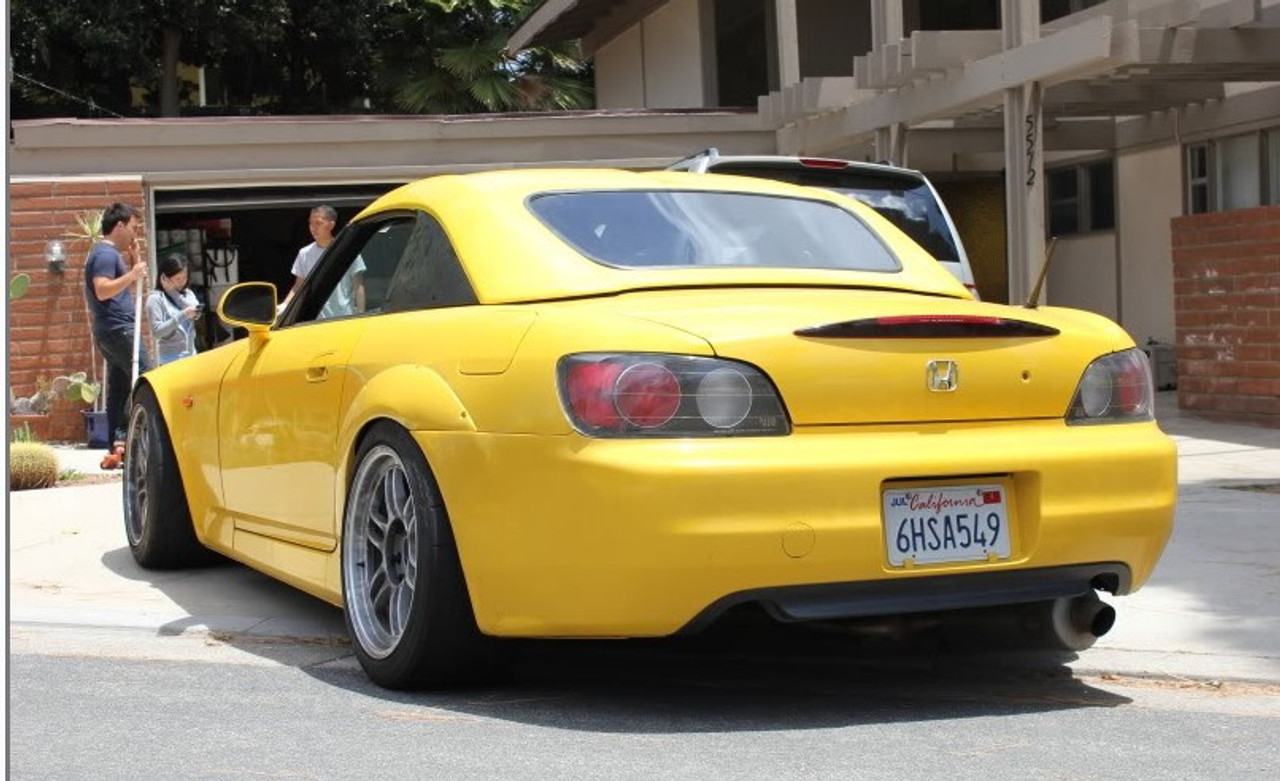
939 592
568 536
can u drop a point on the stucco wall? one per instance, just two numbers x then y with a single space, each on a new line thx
666 51
1149 196
1082 274
832 33
616 66
673 57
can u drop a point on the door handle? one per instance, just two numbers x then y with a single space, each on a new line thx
318 371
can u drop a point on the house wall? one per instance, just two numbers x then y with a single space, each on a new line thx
1226 269
1149 195
666 51
49 330
616 66
1082 274
832 33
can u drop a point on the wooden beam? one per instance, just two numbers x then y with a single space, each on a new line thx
1199 46
1121 97
1087 49
937 50
618 20
547 13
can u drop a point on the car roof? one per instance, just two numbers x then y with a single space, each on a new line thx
712 158
511 256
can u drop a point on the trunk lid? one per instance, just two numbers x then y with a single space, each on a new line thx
864 357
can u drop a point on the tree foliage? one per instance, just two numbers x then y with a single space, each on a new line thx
467 69
96 57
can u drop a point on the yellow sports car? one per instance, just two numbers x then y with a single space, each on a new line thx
590 403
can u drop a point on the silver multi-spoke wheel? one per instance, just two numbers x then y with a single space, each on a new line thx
406 601
157 519
380 561
137 494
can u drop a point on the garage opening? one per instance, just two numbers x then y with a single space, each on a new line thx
245 234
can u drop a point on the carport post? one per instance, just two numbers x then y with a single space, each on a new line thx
1024 158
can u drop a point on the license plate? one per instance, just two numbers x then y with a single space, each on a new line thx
946 523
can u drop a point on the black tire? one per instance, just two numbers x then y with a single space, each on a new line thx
157 521
407 608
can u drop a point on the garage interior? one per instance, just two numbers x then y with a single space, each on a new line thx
245 234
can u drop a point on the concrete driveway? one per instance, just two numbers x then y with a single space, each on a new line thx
1208 613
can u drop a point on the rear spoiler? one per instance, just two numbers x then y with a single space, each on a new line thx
928 327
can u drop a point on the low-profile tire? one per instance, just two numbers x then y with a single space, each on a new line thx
407 608
157 521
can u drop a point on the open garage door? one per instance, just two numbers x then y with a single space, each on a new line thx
242 234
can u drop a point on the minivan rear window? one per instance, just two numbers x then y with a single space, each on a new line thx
648 228
905 201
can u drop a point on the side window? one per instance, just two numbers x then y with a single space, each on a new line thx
429 275
353 278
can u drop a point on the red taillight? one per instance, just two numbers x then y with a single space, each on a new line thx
819 162
639 395
647 395
591 393
1131 388
1115 388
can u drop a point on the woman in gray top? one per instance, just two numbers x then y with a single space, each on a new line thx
172 310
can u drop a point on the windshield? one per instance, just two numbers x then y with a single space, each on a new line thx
641 229
905 201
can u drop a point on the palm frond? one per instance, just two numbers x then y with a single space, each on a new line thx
495 93
469 62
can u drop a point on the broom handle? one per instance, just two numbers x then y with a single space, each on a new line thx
137 325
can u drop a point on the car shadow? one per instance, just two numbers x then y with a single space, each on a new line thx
744 681
240 607
745 673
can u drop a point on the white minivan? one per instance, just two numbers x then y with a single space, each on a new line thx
902 195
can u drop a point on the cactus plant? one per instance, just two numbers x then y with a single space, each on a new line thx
32 465
75 387
18 286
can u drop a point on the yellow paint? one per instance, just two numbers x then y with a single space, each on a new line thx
562 535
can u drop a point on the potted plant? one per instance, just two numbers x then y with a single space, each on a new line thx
31 412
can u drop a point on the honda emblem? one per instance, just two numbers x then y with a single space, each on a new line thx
942 376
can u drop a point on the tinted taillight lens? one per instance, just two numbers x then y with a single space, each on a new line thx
1115 388
650 395
647 395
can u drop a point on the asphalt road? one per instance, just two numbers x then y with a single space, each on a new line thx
123 703
116 672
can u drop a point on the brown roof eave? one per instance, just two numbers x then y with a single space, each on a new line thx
556 21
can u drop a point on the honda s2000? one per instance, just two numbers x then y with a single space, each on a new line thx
610 404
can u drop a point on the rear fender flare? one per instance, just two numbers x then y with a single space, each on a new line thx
413 396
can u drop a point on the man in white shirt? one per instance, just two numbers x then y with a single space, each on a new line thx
348 297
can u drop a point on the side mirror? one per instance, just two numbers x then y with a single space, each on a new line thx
250 305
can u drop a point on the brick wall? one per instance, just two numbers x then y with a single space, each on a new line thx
49 331
1226 269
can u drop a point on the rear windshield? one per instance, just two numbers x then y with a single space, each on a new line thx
641 229
906 201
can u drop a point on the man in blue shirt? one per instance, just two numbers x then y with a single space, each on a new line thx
114 266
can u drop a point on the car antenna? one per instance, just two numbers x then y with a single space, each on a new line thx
1033 300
